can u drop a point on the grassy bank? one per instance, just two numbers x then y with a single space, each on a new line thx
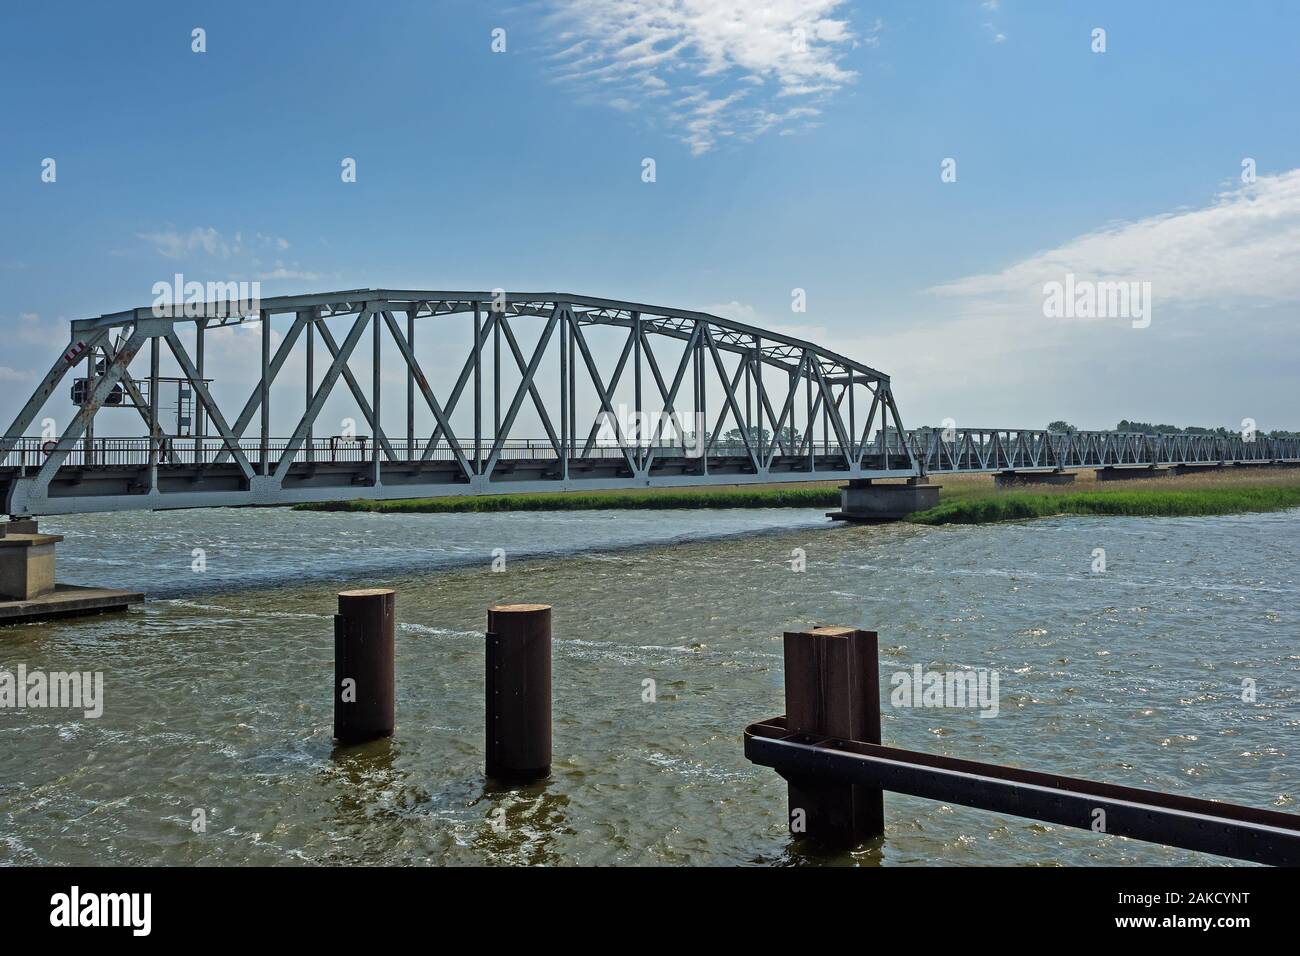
967 501
964 499
797 496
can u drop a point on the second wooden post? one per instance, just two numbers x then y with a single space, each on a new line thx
519 692
364 696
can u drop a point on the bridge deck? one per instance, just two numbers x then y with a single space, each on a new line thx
115 474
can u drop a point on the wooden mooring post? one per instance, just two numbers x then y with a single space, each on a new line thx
832 689
364 696
518 691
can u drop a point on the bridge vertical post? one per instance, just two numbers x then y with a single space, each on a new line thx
200 412
701 402
264 445
832 689
811 423
311 380
853 423
88 453
518 692
410 381
565 371
377 341
639 441
478 391
573 395
155 436
364 697
826 421
496 378
749 399
757 359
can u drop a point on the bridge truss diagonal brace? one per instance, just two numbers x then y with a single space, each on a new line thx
669 396
536 396
605 403
137 397
76 349
422 383
205 398
733 383
104 386
522 391
861 451
789 404
358 394
466 371
730 390
833 406
341 356
832 403
613 386
765 406
273 370
892 408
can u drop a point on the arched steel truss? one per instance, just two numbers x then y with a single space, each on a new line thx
797 412
776 392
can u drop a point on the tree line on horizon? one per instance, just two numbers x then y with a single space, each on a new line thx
1146 428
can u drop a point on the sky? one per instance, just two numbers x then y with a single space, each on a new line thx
922 171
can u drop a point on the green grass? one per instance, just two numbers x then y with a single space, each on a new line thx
965 499
1014 505
790 497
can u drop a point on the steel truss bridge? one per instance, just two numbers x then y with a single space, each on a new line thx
672 398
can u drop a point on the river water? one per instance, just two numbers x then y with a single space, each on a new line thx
217 690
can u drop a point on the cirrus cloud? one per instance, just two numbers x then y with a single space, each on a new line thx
709 69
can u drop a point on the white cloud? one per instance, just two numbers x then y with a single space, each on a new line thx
1240 249
31 329
8 374
736 311
240 257
174 244
1221 345
712 69
282 272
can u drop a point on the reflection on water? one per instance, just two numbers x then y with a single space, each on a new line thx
217 691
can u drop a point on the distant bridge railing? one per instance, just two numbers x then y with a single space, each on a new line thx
1000 449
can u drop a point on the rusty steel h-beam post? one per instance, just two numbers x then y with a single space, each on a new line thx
832 689
827 747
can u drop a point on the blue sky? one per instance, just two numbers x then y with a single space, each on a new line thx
776 169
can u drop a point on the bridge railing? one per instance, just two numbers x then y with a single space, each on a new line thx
29 453
959 450
990 449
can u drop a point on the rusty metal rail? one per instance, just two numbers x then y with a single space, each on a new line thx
828 749
1224 829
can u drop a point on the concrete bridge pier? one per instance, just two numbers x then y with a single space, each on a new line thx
1012 479
28 590
864 500
1130 473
